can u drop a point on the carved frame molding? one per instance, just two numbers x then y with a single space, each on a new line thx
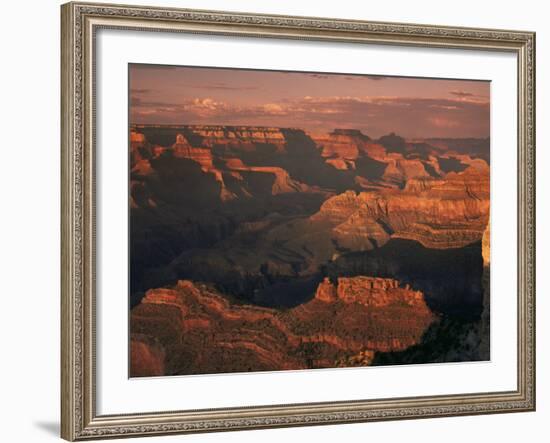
80 21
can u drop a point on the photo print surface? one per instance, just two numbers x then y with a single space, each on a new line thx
303 220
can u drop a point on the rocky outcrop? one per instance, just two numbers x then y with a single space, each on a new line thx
140 149
486 245
183 149
360 231
195 329
340 163
137 137
439 213
240 137
146 356
393 143
282 183
145 165
374 150
369 291
243 179
342 147
342 159
390 161
399 169
475 147
203 156
326 291
485 323
342 143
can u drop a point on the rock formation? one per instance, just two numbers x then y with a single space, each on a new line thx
486 245
399 169
439 213
239 137
261 215
282 183
485 323
259 244
238 173
191 328
368 291
146 356
342 147
183 149
342 144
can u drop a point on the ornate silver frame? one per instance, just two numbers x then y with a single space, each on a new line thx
80 21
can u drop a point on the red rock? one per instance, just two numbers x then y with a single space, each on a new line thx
183 149
486 245
345 144
282 183
369 291
146 357
449 212
374 150
360 232
326 291
191 328
140 149
243 137
340 163
137 137
399 169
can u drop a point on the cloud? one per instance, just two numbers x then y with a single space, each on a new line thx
461 93
223 87
442 122
410 116
446 107
275 109
140 91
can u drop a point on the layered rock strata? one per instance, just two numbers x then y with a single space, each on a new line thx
439 213
239 136
192 328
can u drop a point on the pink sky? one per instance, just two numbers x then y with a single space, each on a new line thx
316 102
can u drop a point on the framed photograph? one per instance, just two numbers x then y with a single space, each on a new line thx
282 221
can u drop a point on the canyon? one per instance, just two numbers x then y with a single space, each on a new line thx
321 250
197 330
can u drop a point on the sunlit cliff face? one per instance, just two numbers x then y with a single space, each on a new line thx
193 329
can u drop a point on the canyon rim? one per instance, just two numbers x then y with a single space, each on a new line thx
298 220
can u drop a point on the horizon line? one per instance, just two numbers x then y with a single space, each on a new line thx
182 125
